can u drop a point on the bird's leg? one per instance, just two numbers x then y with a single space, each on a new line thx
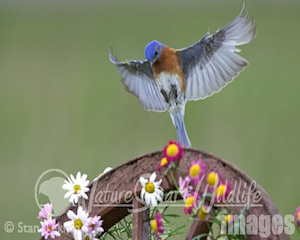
165 95
173 94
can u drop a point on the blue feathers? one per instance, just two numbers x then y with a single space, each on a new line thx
177 116
153 50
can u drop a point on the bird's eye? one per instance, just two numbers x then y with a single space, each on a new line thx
156 53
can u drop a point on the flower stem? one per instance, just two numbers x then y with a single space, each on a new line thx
175 166
173 178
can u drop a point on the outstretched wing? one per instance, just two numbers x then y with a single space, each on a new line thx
137 76
212 63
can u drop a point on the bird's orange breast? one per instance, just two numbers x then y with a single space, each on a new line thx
169 63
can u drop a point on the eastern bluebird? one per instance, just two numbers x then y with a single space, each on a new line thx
168 78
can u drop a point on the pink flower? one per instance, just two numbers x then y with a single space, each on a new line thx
229 218
173 151
222 192
163 163
184 187
191 203
297 216
157 224
213 178
203 213
49 228
94 226
197 170
46 211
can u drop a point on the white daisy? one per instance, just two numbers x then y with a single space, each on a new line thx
78 224
152 192
76 187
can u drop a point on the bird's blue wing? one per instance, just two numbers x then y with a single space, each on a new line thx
212 63
137 76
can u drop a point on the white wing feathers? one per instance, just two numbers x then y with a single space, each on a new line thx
138 79
212 63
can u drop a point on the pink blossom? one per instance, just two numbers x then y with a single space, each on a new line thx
173 151
184 187
94 226
163 163
196 171
157 224
46 211
203 213
222 192
49 228
191 203
213 179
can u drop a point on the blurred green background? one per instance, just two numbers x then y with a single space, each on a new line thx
62 104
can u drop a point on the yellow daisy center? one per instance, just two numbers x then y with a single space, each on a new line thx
202 213
221 190
299 216
163 162
87 237
78 224
194 170
154 226
189 202
172 150
212 179
76 188
228 218
149 187
49 229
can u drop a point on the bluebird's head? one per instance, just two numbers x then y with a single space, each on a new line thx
153 50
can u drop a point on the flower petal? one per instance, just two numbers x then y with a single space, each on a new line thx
68 194
84 195
67 186
72 178
153 201
83 177
147 198
71 215
152 177
143 181
78 176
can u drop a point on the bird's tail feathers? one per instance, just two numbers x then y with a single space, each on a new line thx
182 136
